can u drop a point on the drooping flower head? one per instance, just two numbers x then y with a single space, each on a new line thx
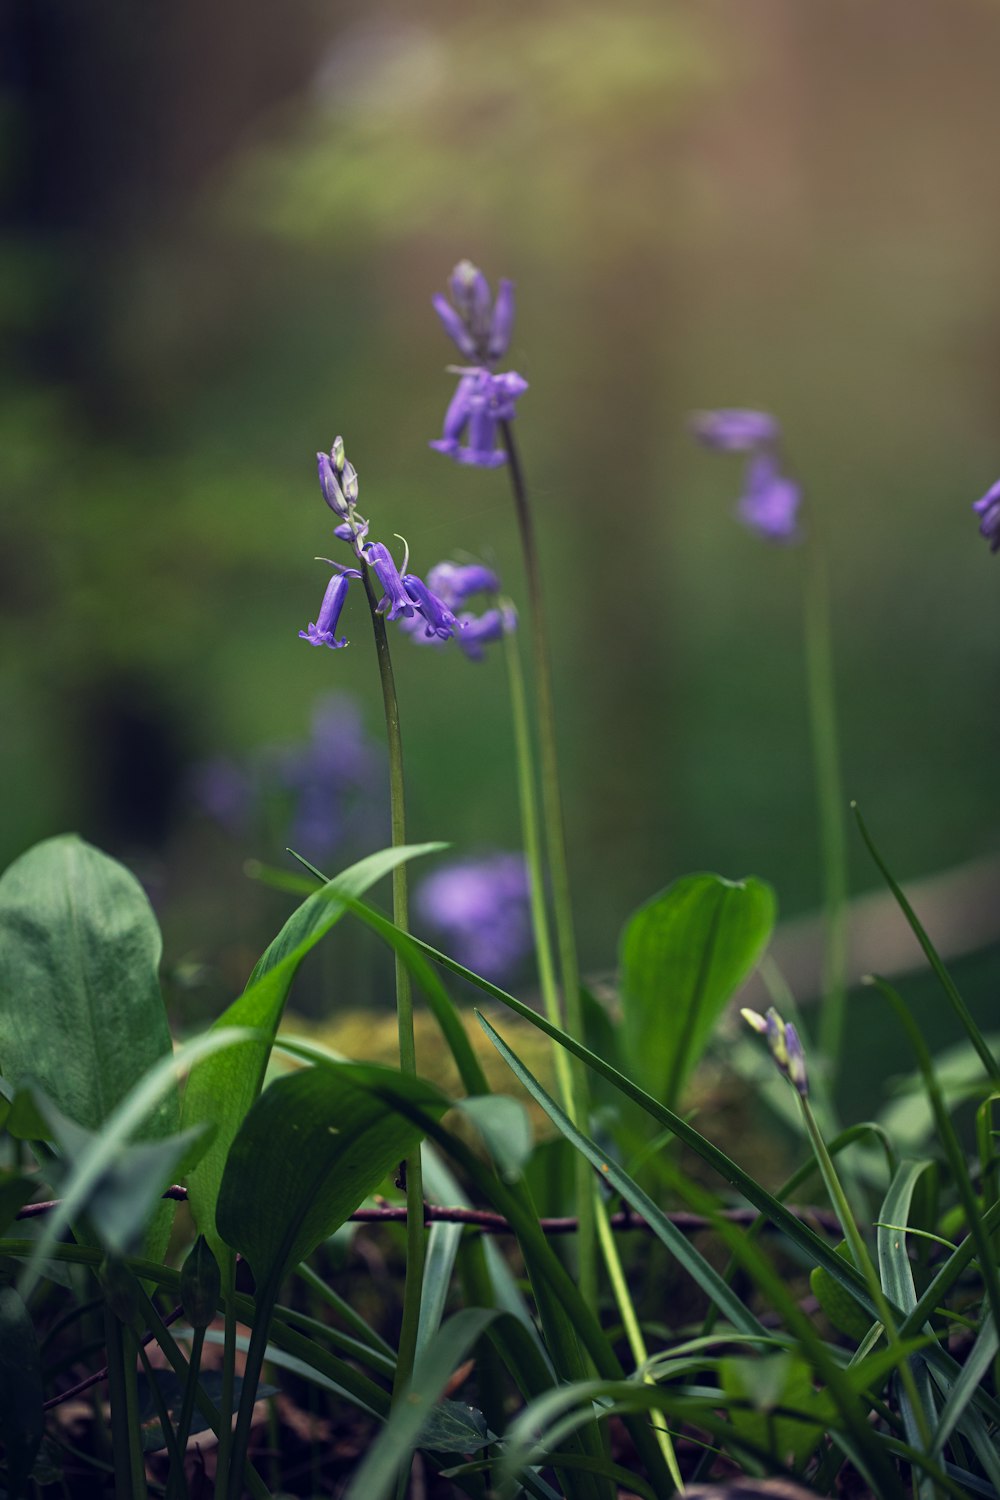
481 401
453 584
323 631
479 326
784 1045
988 509
770 502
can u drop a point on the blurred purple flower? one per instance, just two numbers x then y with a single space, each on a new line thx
322 633
479 327
735 429
454 582
989 509
480 909
769 504
480 402
770 501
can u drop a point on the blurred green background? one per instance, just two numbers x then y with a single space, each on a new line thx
223 226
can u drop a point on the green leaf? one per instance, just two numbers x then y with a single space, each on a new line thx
79 937
768 1382
836 1301
222 1088
15 1190
21 1416
454 1427
705 1275
505 1128
683 956
119 1201
311 1149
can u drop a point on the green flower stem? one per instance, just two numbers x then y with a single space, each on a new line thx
555 843
228 1384
531 836
415 1237
130 1470
829 791
176 1454
177 1486
863 1262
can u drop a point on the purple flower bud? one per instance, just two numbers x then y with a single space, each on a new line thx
989 509
784 1045
455 582
322 632
502 323
734 430
337 454
471 294
770 501
440 620
329 484
796 1060
395 598
454 326
349 476
354 532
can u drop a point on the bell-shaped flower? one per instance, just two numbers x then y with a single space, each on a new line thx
330 485
394 599
480 402
735 429
323 631
988 509
477 631
479 326
455 582
439 619
770 501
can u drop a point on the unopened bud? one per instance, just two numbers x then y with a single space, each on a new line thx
201 1284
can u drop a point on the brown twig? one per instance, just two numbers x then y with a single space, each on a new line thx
492 1223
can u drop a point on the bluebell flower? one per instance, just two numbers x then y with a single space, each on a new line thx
735 429
455 582
395 598
479 327
770 501
438 617
476 631
783 1043
988 508
322 633
330 485
480 402
480 907
769 504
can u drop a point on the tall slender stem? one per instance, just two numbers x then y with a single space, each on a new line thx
826 758
415 1247
555 843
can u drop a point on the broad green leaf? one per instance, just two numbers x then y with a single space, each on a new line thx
21 1417
310 1150
836 1301
455 1427
771 1381
15 1191
683 956
505 1128
121 1199
80 1006
223 1087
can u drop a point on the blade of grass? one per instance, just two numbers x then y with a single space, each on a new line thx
947 983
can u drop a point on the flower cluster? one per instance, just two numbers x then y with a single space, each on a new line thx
480 908
480 327
424 609
784 1044
769 504
988 508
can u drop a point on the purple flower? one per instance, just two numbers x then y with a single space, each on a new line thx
783 1043
770 501
480 906
478 327
330 485
454 582
395 598
989 509
440 620
481 400
322 632
476 631
734 429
